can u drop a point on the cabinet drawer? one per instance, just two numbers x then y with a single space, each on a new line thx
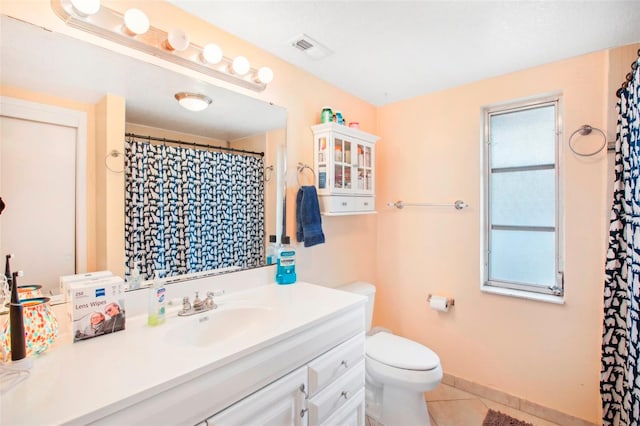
336 204
364 204
335 363
336 395
350 414
346 204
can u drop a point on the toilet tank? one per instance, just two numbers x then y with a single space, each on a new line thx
364 289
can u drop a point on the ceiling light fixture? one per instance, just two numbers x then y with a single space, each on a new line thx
173 46
136 22
193 101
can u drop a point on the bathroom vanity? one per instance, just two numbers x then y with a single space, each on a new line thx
272 354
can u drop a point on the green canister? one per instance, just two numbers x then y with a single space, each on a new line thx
326 115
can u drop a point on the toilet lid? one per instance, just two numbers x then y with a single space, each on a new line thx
399 352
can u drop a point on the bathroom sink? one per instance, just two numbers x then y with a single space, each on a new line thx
221 324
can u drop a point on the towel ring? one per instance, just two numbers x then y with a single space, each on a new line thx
585 130
268 172
301 169
113 153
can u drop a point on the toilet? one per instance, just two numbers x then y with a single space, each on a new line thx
398 372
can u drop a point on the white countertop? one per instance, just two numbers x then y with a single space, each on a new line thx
72 382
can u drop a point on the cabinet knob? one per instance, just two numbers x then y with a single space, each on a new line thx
304 391
344 203
344 363
303 412
345 394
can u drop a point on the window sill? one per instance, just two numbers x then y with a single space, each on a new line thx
547 298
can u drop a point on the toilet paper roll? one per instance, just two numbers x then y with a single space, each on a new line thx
439 303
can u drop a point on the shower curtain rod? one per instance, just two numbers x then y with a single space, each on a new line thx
634 65
194 144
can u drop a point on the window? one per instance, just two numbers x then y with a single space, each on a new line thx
522 235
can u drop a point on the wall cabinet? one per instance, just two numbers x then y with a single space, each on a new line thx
344 164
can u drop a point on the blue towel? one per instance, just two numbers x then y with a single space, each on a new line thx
308 221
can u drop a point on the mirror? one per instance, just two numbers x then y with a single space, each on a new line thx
47 64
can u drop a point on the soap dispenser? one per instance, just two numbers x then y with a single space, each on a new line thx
157 301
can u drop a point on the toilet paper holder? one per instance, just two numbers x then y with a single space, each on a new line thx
450 300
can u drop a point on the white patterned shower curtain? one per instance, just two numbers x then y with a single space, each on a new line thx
190 210
620 373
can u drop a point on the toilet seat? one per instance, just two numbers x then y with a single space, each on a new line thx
399 352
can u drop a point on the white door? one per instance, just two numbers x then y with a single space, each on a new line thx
38 186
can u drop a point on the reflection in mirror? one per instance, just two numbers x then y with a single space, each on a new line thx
43 68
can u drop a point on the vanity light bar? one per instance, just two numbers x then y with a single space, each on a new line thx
109 24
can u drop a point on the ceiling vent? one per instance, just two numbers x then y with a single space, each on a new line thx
310 47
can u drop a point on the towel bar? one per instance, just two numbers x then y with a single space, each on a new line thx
458 205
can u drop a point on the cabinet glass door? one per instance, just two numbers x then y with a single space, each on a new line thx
342 165
364 167
322 162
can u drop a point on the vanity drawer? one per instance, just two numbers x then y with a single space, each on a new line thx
333 364
337 394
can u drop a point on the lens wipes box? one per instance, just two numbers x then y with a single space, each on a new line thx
66 281
97 308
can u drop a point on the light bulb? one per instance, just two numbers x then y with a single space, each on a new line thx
136 21
86 7
178 40
265 75
211 54
193 101
240 65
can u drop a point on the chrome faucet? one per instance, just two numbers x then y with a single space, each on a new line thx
198 305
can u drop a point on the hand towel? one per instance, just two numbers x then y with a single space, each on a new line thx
308 220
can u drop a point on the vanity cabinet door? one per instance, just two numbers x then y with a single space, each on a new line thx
278 404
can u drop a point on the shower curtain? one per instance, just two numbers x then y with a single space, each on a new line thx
620 373
190 210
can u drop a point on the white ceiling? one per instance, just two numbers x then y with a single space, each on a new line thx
386 51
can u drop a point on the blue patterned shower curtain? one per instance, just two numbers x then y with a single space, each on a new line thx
190 210
620 374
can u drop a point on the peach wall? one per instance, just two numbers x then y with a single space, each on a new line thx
431 152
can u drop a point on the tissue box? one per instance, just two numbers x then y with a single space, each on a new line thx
97 307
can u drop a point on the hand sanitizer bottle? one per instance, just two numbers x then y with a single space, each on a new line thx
157 301
286 269
135 279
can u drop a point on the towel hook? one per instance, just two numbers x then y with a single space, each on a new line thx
301 169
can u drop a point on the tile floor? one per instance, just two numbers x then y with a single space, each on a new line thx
449 406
